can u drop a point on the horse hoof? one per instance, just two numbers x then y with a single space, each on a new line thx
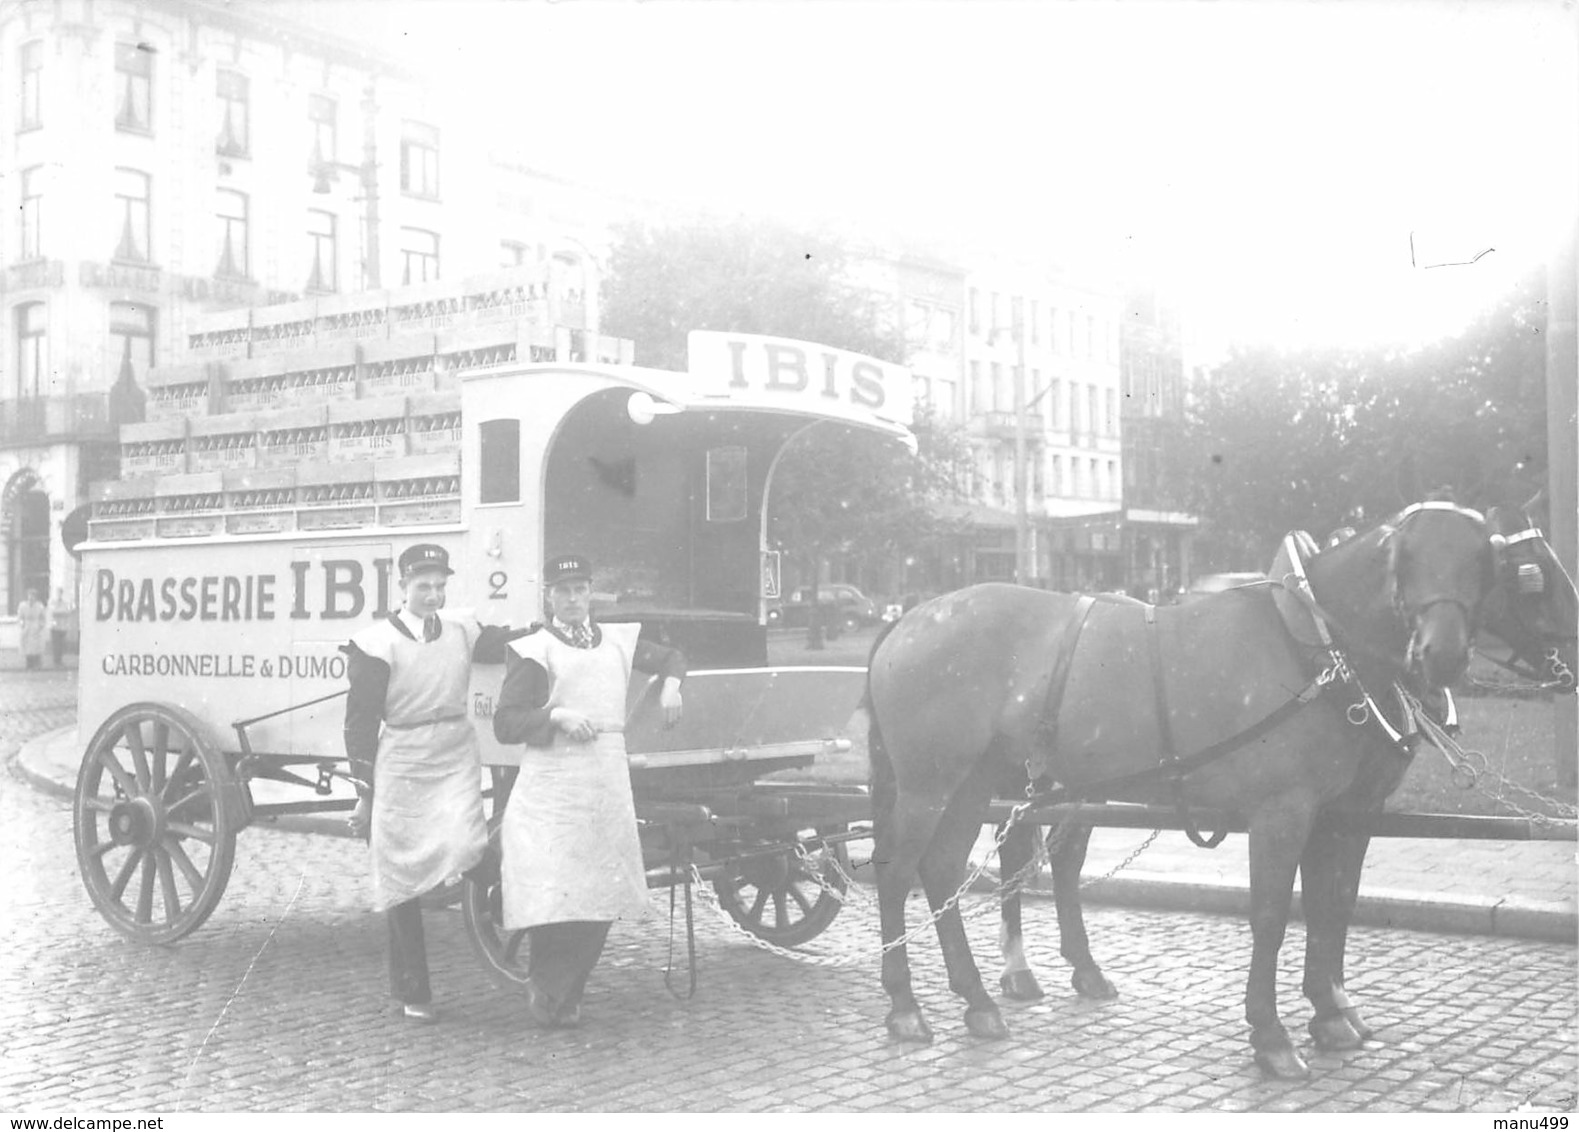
1282 1063
1021 986
909 1026
986 1023
1333 1032
1357 1024
1090 982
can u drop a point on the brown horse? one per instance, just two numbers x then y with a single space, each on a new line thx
1530 609
1213 704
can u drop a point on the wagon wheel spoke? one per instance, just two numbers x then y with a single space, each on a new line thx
780 915
145 891
161 753
123 781
128 866
172 902
800 898
187 755
512 946
102 805
184 863
201 792
134 743
761 902
103 847
182 829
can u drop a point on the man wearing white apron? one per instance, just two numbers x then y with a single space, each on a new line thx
572 860
415 758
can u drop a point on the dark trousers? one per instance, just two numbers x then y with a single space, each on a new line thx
408 954
563 955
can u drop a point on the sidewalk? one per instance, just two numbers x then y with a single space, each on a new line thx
1523 889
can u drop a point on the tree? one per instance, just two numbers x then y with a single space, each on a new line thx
1318 439
836 490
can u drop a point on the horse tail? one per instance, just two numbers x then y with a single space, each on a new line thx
884 788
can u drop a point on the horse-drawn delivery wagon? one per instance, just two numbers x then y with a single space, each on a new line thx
217 595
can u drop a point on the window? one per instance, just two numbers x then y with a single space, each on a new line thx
324 272
1052 403
1036 324
1091 336
997 311
132 327
30 106
943 329
134 66
1052 331
323 113
1112 410
1112 478
999 401
231 212
32 207
1093 409
419 160
233 114
419 256
131 199
500 452
974 314
1074 409
1093 484
1058 475
976 405
32 350
512 253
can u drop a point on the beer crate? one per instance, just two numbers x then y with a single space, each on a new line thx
219 334
434 423
362 317
423 307
122 510
286 437
418 490
190 505
359 430
216 443
179 392
323 373
396 365
332 496
260 500
253 384
283 326
507 296
153 447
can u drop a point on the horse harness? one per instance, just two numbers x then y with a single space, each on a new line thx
1530 578
1297 545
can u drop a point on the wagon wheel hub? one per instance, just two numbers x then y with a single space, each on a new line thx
136 821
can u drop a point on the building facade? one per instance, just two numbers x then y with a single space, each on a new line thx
1157 529
164 161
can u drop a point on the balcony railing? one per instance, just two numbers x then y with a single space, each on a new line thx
40 420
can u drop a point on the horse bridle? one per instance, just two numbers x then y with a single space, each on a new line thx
1529 577
1411 615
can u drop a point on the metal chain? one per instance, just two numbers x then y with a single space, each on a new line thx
990 902
1470 767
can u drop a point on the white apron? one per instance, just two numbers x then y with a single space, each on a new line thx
570 846
428 823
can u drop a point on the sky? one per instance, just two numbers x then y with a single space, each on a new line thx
1292 172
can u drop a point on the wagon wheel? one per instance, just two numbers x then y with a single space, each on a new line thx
155 841
785 898
503 953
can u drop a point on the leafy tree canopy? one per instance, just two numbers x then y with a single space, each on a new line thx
1318 439
836 490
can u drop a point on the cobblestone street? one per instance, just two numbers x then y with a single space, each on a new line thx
278 1004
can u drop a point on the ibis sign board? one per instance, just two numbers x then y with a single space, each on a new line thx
794 376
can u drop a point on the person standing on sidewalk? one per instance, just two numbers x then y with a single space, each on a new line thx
62 626
572 861
33 617
415 758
